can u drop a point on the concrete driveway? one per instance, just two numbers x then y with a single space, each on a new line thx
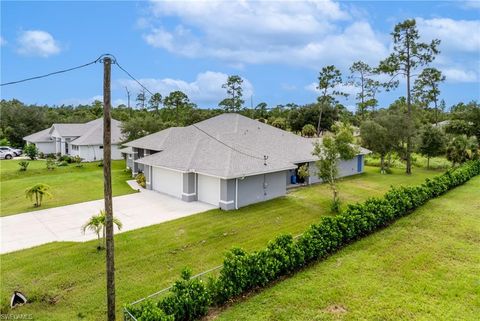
64 223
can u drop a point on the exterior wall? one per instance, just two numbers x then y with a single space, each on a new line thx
129 161
147 171
227 194
259 188
46 148
190 186
313 178
345 168
348 167
91 153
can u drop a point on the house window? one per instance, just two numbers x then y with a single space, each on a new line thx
101 147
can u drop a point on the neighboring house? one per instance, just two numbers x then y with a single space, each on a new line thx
84 140
229 161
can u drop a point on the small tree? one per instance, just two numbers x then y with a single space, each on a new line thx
329 80
31 151
334 147
280 123
308 130
462 148
376 138
23 165
234 102
432 143
303 172
38 191
97 224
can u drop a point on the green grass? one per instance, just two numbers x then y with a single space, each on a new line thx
425 266
67 280
69 184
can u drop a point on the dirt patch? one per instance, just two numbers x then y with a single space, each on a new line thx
336 309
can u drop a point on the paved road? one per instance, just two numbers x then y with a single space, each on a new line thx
64 223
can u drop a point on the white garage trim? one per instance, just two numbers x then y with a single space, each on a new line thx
208 189
167 181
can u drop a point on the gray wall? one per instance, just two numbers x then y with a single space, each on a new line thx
227 194
259 188
190 185
345 168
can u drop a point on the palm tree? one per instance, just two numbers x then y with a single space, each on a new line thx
97 224
39 191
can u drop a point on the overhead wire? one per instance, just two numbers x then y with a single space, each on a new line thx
115 61
52 73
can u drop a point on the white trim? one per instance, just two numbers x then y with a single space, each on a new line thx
191 194
224 202
163 167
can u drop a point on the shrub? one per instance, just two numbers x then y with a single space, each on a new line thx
41 155
62 163
77 160
31 151
141 180
149 311
309 130
23 165
50 164
243 271
66 158
189 299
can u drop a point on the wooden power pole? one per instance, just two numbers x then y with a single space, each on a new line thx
107 189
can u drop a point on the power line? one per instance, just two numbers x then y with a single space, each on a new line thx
53 73
129 75
264 158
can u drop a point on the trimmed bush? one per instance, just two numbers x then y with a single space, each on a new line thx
141 180
243 271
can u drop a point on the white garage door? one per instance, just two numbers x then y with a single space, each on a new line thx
166 181
209 189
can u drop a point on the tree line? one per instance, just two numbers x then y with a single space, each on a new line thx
410 123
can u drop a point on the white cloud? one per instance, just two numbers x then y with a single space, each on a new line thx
456 35
254 32
37 43
459 75
473 4
2 41
206 90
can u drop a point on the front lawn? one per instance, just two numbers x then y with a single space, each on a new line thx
426 266
66 281
69 184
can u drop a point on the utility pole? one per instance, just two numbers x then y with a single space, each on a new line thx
128 96
107 189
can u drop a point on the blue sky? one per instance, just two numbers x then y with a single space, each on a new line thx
278 47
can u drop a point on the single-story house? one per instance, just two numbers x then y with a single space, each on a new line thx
83 140
229 161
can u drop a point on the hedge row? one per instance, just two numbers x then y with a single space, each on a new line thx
190 298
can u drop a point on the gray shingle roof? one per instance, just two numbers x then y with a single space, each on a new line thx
68 130
93 133
227 146
90 133
42 136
